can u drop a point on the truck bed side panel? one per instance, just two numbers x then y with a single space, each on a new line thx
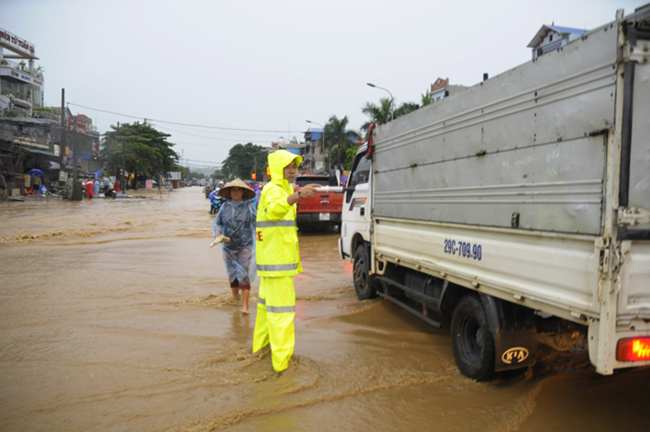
527 146
552 273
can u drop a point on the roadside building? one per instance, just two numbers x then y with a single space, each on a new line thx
32 136
551 37
313 156
441 89
21 82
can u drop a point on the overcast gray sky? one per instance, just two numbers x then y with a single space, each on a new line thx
266 66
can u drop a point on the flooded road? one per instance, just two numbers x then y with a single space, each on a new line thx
115 315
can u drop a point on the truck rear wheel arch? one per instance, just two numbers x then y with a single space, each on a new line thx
471 339
510 330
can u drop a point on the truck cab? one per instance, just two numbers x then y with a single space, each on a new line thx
354 243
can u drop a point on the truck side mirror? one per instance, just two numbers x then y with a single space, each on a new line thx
348 189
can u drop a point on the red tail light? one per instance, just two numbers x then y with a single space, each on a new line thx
633 349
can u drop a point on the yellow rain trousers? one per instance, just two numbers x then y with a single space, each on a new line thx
278 261
276 309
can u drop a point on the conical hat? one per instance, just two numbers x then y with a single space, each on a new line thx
248 192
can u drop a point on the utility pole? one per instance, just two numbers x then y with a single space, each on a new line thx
62 138
76 187
123 170
76 190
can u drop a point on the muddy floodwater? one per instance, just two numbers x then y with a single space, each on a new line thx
115 315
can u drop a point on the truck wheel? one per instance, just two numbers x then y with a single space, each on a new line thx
471 340
363 282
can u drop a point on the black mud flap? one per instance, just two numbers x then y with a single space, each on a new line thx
514 330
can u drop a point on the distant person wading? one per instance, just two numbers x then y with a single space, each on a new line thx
234 227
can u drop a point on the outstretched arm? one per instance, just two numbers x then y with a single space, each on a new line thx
307 191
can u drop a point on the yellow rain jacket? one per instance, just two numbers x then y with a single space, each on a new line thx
278 260
277 237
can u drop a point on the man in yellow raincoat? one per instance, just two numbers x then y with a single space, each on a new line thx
278 259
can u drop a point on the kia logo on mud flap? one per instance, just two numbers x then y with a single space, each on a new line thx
515 355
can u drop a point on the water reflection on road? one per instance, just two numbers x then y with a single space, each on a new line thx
115 316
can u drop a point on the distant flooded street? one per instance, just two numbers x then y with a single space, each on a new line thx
115 315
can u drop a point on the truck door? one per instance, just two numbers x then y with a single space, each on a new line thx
356 205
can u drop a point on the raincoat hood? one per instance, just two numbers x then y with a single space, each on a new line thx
277 161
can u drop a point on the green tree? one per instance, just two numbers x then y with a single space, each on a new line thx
349 158
384 112
185 172
380 114
338 139
425 98
406 108
244 160
139 148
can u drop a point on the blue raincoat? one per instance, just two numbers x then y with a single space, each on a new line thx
236 220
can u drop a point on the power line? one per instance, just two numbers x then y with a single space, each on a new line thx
184 124
247 134
229 144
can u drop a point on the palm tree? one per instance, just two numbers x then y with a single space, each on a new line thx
406 108
425 98
384 112
380 114
338 140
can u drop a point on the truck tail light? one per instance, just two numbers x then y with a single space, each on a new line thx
633 349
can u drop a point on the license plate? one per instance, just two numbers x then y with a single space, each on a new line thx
324 216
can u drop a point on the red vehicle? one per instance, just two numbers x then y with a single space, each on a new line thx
323 210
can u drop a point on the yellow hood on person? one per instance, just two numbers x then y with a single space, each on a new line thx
277 161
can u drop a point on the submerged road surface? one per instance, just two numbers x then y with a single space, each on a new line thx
115 315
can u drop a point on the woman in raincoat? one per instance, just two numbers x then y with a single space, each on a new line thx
90 187
236 222
278 259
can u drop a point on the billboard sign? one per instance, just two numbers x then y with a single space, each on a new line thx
17 44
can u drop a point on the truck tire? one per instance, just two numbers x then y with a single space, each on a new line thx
363 281
471 340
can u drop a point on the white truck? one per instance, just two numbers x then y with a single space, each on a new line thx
518 210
